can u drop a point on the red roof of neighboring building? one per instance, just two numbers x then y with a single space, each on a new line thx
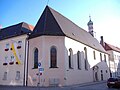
111 47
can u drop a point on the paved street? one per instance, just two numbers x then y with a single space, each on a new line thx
93 86
101 86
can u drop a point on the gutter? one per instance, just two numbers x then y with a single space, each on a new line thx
25 78
27 61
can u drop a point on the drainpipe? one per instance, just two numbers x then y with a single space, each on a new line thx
25 62
25 79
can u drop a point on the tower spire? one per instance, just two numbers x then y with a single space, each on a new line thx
90 26
89 17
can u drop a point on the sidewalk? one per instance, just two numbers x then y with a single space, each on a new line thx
72 87
87 84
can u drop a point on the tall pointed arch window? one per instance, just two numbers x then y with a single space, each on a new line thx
70 58
104 57
100 57
79 60
94 55
85 58
36 58
53 57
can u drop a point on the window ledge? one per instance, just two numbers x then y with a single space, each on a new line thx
18 47
53 67
4 63
17 63
6 49
11 63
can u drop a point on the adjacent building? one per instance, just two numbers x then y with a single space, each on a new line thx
62 53
13 54
114 58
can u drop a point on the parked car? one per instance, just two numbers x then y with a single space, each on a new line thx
113 82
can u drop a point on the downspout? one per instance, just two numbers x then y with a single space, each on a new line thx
25 62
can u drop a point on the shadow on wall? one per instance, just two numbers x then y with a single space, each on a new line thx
78 66
101 71
114 69
117 70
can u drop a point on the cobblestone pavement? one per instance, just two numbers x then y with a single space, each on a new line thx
87 86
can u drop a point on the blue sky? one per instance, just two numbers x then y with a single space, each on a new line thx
105 14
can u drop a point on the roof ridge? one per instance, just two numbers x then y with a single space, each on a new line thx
13 25
67 18
113 47
59 25
14 30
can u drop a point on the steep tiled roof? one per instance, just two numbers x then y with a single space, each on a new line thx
111 47
15 30
47 25
52 23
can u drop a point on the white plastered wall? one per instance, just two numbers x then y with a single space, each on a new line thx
12 69
44 43
76 76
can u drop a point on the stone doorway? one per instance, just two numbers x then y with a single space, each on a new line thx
95 73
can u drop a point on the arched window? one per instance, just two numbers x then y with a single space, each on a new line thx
70 58
94 55
36 58
85 58
79 60
101 57
105 57
53 57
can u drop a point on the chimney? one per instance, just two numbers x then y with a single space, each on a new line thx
102 42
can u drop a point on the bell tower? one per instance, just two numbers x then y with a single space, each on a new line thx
90 26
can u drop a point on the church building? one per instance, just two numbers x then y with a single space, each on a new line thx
62 53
